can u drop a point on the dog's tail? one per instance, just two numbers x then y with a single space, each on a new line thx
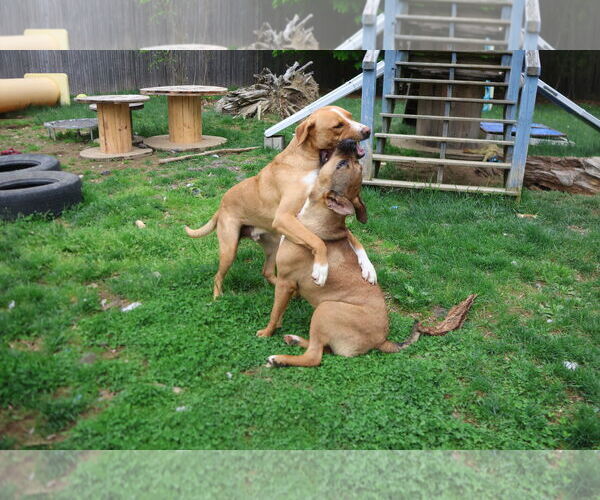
392 347
204 230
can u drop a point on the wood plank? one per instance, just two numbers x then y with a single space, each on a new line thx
452 82
454 65
447 118
439 161
564 102
449 40
113 99
440 187
185 90
455 20
451 99
444 139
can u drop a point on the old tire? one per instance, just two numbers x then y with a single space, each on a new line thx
27 193
28 163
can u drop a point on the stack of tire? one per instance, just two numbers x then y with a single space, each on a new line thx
35 184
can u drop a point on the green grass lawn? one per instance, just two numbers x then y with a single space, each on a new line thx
183 371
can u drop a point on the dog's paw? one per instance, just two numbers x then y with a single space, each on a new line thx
264 333
368 271
272 362
292 339
320 273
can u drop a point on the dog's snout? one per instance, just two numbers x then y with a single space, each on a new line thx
366 132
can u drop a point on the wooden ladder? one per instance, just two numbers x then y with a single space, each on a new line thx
453 25
409 74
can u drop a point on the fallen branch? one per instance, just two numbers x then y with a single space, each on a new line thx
208 153
454 320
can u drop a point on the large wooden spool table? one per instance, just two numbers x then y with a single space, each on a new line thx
185 118
114 127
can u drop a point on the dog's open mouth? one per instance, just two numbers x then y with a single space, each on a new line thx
325 154
360 151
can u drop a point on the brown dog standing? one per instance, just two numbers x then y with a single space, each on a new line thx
350 315
267 205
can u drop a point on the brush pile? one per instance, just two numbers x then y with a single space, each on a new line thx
281 95
295 36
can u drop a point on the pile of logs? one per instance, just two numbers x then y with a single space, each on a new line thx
281 95
295 36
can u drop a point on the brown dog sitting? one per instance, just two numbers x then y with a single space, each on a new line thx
266 206
350 316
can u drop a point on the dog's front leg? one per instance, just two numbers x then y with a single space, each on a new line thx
284 291
287 223
368 271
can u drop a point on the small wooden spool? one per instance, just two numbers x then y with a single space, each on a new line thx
114 127
185 118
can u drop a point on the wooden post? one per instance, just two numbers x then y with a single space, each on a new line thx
389 32
369 20
512 94
527 106
185 119
516 25
114 125
533 24
391 58
368 106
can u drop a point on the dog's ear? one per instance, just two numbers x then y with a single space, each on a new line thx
304 130
361 210
339 204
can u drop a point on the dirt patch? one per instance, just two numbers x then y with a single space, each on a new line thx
109 300
464 418
574 397
21 426
579 230
465 176
488 334
34 345
22 473
113 353
26 138
225 163
106 395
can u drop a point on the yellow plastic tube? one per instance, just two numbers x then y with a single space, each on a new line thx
36 39
33 90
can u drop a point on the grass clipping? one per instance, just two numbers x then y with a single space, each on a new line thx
453 321
281 95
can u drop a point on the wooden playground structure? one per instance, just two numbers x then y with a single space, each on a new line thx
441 58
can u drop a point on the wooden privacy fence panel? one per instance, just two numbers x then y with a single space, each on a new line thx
131 24
115 70
92 72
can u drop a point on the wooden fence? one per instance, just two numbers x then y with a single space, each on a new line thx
133 24
98 71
